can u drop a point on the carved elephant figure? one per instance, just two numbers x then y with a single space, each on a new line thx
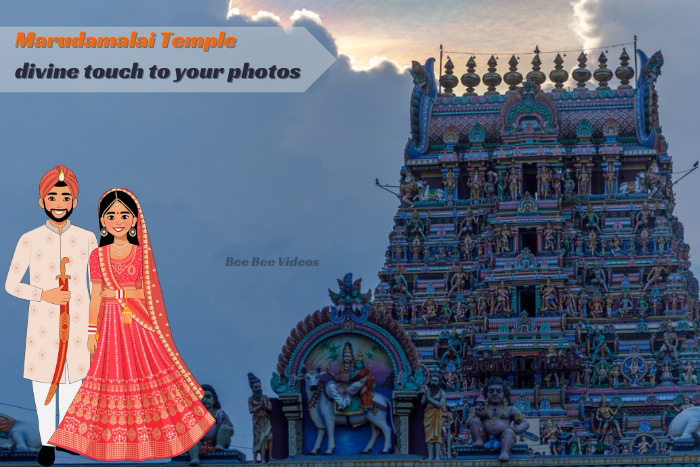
686 424
22 435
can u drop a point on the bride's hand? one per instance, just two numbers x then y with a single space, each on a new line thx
92 343
108 293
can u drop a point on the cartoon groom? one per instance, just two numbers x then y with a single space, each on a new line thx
53 355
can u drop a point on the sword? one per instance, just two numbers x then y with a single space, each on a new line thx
63 329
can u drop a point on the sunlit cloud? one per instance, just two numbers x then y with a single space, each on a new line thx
583 22
265 15
305 14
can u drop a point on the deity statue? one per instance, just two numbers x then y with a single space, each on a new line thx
502 298
490 186
408 188
548 235
415 249
687 403
342 387
591 220
514 183
497 420
689 376
430 309
433 399
610 176
584 180
446 312
557 180
458 281
361 375
670 344
598 344
569 186
625 304
506 233
642 217
549 297
544 179
260 407
400 286
550 436
450 183
605 416
501 185
592 243
219 436
476 184
454 351
415 226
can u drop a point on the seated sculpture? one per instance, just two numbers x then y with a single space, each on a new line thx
344 385
497 420
219 435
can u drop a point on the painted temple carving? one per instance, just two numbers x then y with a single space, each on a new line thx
535 241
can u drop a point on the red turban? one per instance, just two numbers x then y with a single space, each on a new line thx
52 177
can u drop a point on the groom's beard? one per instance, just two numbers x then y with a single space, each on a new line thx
58 219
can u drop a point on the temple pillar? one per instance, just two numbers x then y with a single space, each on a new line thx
404 402
293 411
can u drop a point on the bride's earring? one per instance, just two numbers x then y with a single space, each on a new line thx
132 232
103 232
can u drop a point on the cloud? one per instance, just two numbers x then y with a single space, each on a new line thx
312 22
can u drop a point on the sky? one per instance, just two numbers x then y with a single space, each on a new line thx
287 175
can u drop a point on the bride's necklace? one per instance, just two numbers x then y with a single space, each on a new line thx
120 247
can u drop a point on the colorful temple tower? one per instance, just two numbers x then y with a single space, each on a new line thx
536 241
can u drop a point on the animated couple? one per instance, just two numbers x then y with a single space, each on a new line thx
124 393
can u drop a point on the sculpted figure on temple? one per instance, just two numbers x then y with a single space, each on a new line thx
503 298
550 436
433 399
490 187
498 421
449 183
429 309
605 416
584 180
548 234
568 187
415 249
468 248
342 387
592 243
408 188
506 234
544 179
415 226
458 281
476 184
557 180
689 376
670 345
642 217
400 286
654 276
625 304
591 220
218 437
501 185
514 182
599 276
260 407
610 177
598 345
454 350
549 297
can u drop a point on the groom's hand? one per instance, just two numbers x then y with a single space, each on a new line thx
56 296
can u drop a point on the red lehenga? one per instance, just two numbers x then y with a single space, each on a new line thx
138 401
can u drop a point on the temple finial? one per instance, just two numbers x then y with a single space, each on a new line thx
492 79
581 74
513 77
558 75
470 79
536 76
603 74
624 72
448 81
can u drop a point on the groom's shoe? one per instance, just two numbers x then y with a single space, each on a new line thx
66 451
47 456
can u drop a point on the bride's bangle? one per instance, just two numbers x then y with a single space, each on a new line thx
120 293
92 328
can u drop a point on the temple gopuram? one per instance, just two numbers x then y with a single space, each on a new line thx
536 305
536 241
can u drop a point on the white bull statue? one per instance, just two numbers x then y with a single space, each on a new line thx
23 435
686 425
324 417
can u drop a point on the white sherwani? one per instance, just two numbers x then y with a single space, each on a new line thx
41 251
